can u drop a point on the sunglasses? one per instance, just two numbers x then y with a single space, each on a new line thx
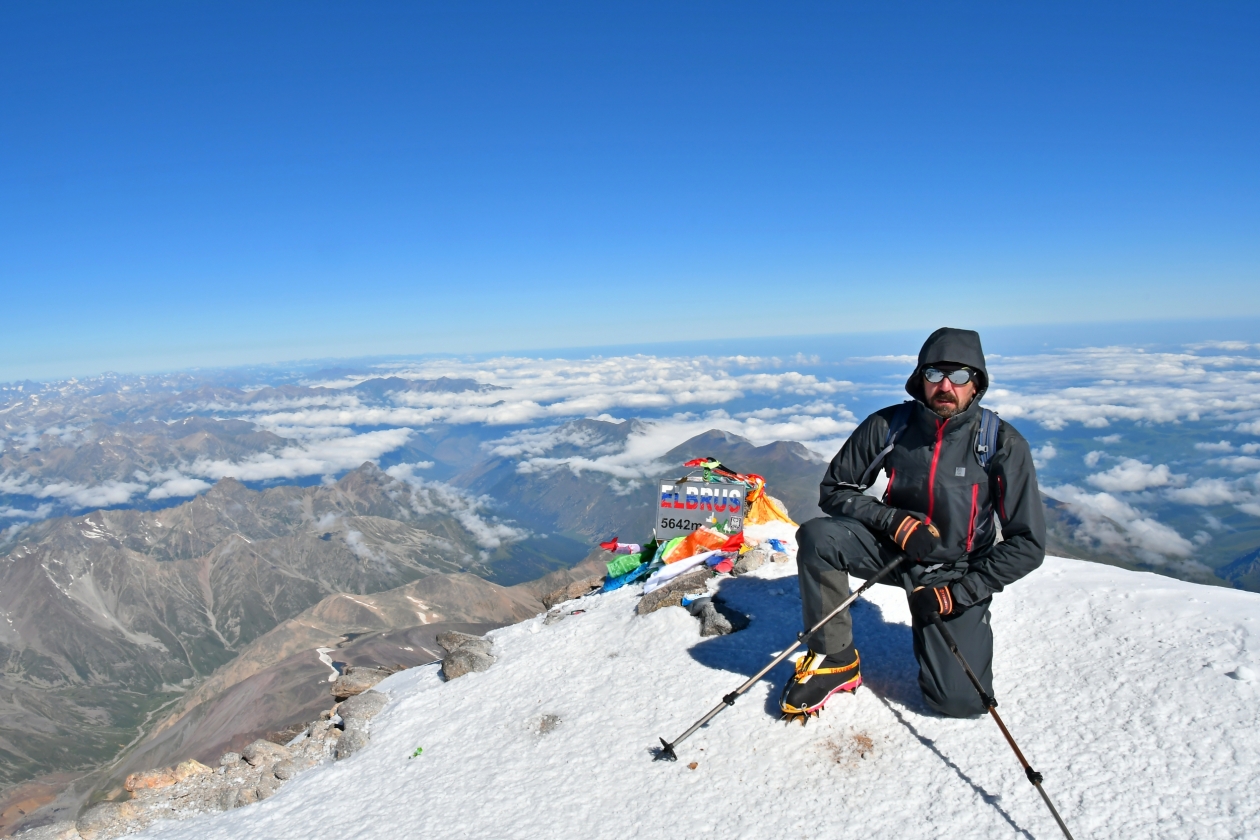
959 377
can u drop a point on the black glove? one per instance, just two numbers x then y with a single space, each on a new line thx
927 601
912 535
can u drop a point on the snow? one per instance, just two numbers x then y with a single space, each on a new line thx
1135 695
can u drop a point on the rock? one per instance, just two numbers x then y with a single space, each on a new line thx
355 714
267 785
779 557
750 561
107 820
64 830
190 768
229 758
466 653
357 680
245 796
713 623
359 710
290 767
263 752
149 779
574 590
671 594
350 743
465 660
154 779
454 641
226 800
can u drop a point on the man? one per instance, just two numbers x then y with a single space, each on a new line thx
937 513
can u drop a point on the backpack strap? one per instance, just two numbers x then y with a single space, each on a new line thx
986 437
896 426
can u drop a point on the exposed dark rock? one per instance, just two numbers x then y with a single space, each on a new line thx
454 641
264 753
467 653
671 594
356 713
713 623
576 589
465 660
357 680
64 830
750 561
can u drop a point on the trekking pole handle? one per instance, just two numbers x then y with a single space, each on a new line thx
667 751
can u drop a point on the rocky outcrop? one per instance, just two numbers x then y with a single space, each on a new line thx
358 679
576 589
465 653
671 594
252 775
750 561
356 714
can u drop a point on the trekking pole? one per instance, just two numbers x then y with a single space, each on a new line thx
990 703
666 751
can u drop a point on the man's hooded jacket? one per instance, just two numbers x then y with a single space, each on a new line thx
933 471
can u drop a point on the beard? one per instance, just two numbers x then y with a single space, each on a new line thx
946 405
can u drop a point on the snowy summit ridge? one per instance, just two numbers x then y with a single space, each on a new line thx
1135 695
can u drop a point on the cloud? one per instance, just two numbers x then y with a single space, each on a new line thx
648 440
321 457
178 487
1220 446
1239 463
1251 428
355 542
105 494
1092 458
1109 439
1111 524
472 512
1133 476
1043 455
1207 492
172 484
1098 385
10 512
533 390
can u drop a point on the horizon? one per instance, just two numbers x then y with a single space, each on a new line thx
1010 339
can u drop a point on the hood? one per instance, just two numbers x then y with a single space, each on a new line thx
962 347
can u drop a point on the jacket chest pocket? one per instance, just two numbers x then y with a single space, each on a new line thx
907 480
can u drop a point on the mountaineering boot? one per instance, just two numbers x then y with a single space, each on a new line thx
818 677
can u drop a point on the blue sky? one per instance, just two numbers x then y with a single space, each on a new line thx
205 184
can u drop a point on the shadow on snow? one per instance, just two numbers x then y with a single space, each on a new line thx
889 669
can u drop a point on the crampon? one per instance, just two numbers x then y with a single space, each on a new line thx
817 678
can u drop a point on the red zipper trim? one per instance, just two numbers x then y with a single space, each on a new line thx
892 473
971 523
936 456
1001 498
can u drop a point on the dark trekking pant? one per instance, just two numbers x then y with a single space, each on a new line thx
833 547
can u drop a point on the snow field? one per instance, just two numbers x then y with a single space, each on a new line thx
1135 695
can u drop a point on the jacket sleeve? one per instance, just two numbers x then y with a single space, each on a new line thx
1017 502
840 493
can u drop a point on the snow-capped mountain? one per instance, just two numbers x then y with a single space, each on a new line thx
1134 695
